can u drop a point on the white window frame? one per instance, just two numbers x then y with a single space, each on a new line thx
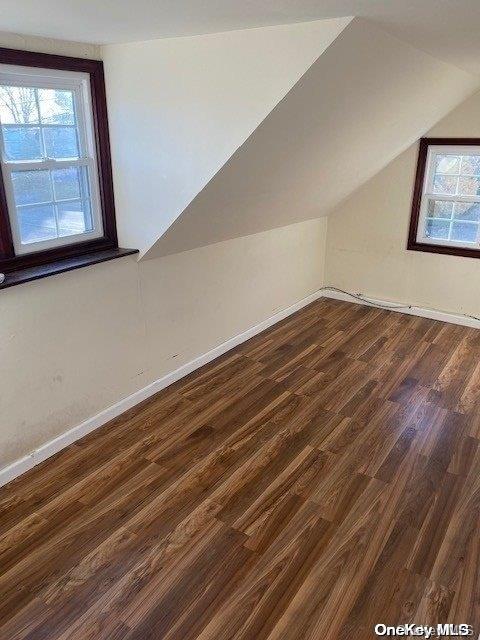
429 194
79 83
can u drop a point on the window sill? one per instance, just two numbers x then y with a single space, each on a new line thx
462 252
28 274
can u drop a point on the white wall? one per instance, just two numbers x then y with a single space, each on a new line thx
367 236
74 344
179 107
49 45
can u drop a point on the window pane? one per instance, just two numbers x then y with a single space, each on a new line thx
440 209
66 183
60 142
445 184
58 198
74 218
464 231
437 229
56 106
447 164
471 165
31 187
469 186
22 143
18 105
37 223
85 182
467 211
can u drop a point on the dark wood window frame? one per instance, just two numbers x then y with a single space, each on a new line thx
413 243
72 256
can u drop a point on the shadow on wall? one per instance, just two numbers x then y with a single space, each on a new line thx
355 109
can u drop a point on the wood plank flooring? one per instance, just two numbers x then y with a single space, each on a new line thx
315 481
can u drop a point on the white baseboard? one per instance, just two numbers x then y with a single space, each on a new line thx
423 312
72 435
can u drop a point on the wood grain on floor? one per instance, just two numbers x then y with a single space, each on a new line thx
315 481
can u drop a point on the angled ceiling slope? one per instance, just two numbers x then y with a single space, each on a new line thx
366 99
180 107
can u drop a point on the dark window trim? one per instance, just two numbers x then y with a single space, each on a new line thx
9 262
27 274
413 244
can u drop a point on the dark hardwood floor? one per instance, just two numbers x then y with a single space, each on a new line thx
320 479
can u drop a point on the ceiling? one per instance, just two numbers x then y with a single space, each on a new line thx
316 148
448 29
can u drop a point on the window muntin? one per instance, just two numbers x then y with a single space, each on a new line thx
450 200
48 158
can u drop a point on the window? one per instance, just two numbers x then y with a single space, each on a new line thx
48 158
56 194
446 203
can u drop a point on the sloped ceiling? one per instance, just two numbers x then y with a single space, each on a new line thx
366 99
179 108
448 29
